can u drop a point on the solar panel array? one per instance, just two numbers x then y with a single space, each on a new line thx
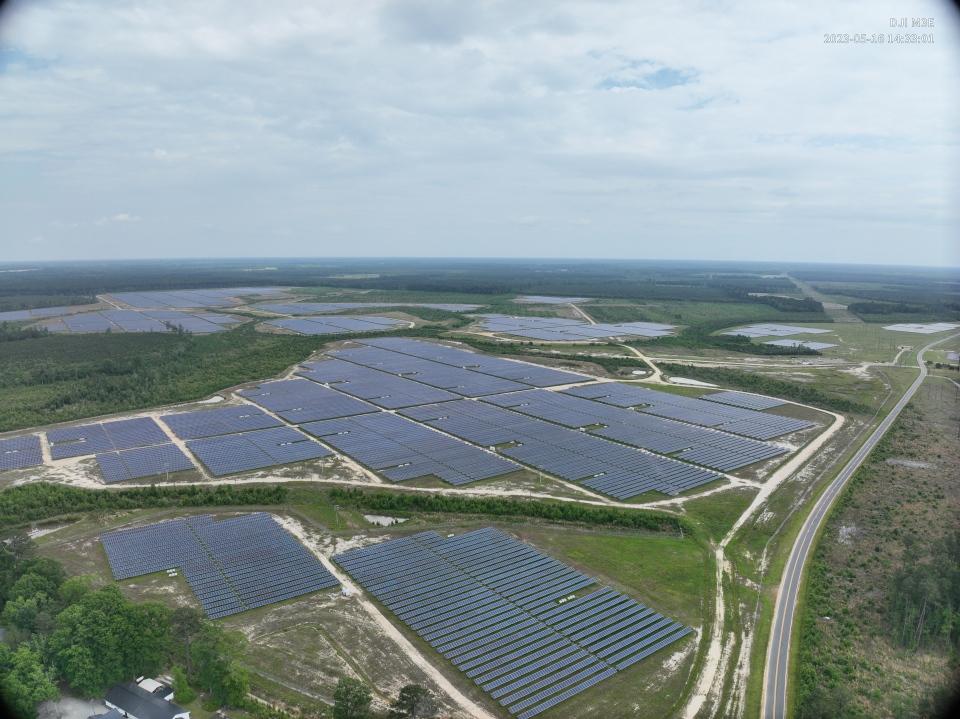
566 330
454 379
402 450
774 330
738 420
530 374
20 452
141 321
744 399
37 313
299 400
142 462
382 389
597 463
801 343
104 437
337 324
258 449
928 328
173 299
231 565
548 300
223 420
319 308
502 613
711 448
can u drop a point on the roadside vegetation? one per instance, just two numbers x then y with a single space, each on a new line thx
878 631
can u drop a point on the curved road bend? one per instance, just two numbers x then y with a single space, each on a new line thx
776 671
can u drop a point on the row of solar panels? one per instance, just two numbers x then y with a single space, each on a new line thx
142 321
231 565
505 615
319 308
736 419
336 324
565 330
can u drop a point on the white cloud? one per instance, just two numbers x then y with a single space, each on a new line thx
436 126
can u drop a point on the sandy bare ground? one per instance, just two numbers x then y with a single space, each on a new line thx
470 707
710 682
656 376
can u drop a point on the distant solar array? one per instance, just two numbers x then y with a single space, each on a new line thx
928 328
402 450
566 330
174 299
530 374
396 356
505 614
141 321
231 565
801 343
774 330
549 300
37 313
382 389
319 308
604 466
337 324
738 420
709 447
20 452
257 449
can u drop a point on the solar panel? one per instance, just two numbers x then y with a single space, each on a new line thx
223 420
142 462
743 399
20 452
739 420
232 453
318 308
402 450
567 330
300 400
231 565
498 610
605 466
337 324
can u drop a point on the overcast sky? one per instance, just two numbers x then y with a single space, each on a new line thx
696 130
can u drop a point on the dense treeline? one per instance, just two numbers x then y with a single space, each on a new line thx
763 384
43 500
881 311
13 331
501 507
60 629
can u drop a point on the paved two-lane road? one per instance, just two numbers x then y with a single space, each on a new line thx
776 671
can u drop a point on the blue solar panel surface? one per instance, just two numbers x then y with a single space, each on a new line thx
300 400
709 447
738 420
142 462
246 451
597 463
380 388
214 422
337 324
231 565
20 452
402 450
104 437
508 616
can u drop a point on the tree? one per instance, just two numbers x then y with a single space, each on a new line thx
104 639
413 702
351 699
216 669
185 625
183 693
74 589
25 682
